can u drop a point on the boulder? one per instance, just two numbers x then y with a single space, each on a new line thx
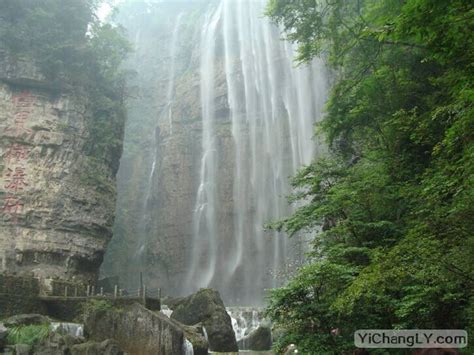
8 350
172 302
196 335
136 329
25 319
107 347
57 344
259 339
22 349
3 336
206 308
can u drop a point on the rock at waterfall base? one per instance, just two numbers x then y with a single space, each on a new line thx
136 329
57 344
259 339
206 307
25 319
22 349
195 335
3 335
107 347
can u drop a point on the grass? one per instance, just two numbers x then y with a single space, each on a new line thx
95 305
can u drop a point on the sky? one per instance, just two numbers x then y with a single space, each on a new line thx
105 9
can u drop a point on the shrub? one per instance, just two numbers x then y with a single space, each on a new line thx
28 334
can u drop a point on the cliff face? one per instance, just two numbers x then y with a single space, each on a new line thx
57 203
159 170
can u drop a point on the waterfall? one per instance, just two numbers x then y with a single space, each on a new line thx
74 329
171 78
187 347
272 107
166 311
222 117
245 320
203 265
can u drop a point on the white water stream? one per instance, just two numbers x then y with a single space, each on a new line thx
221 120
272 108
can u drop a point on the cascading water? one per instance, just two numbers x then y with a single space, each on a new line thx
166 311
171 78
74 329
272 108
244 320
221 119
205 221
187 347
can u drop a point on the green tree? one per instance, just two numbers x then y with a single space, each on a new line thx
395 197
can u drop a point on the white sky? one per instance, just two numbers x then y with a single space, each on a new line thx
105 8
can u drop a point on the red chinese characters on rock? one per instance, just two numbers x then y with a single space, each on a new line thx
12 205
15 180
23 104
16 155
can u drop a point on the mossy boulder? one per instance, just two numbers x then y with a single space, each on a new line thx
25 319
57 344
107 347
259 339
196 335
136 329
22 349
206 308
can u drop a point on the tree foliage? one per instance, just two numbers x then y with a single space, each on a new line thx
395 198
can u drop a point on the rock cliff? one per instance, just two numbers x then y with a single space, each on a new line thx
157 179
159 174
57 200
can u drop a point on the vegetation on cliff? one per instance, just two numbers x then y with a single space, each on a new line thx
395 200
73 49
